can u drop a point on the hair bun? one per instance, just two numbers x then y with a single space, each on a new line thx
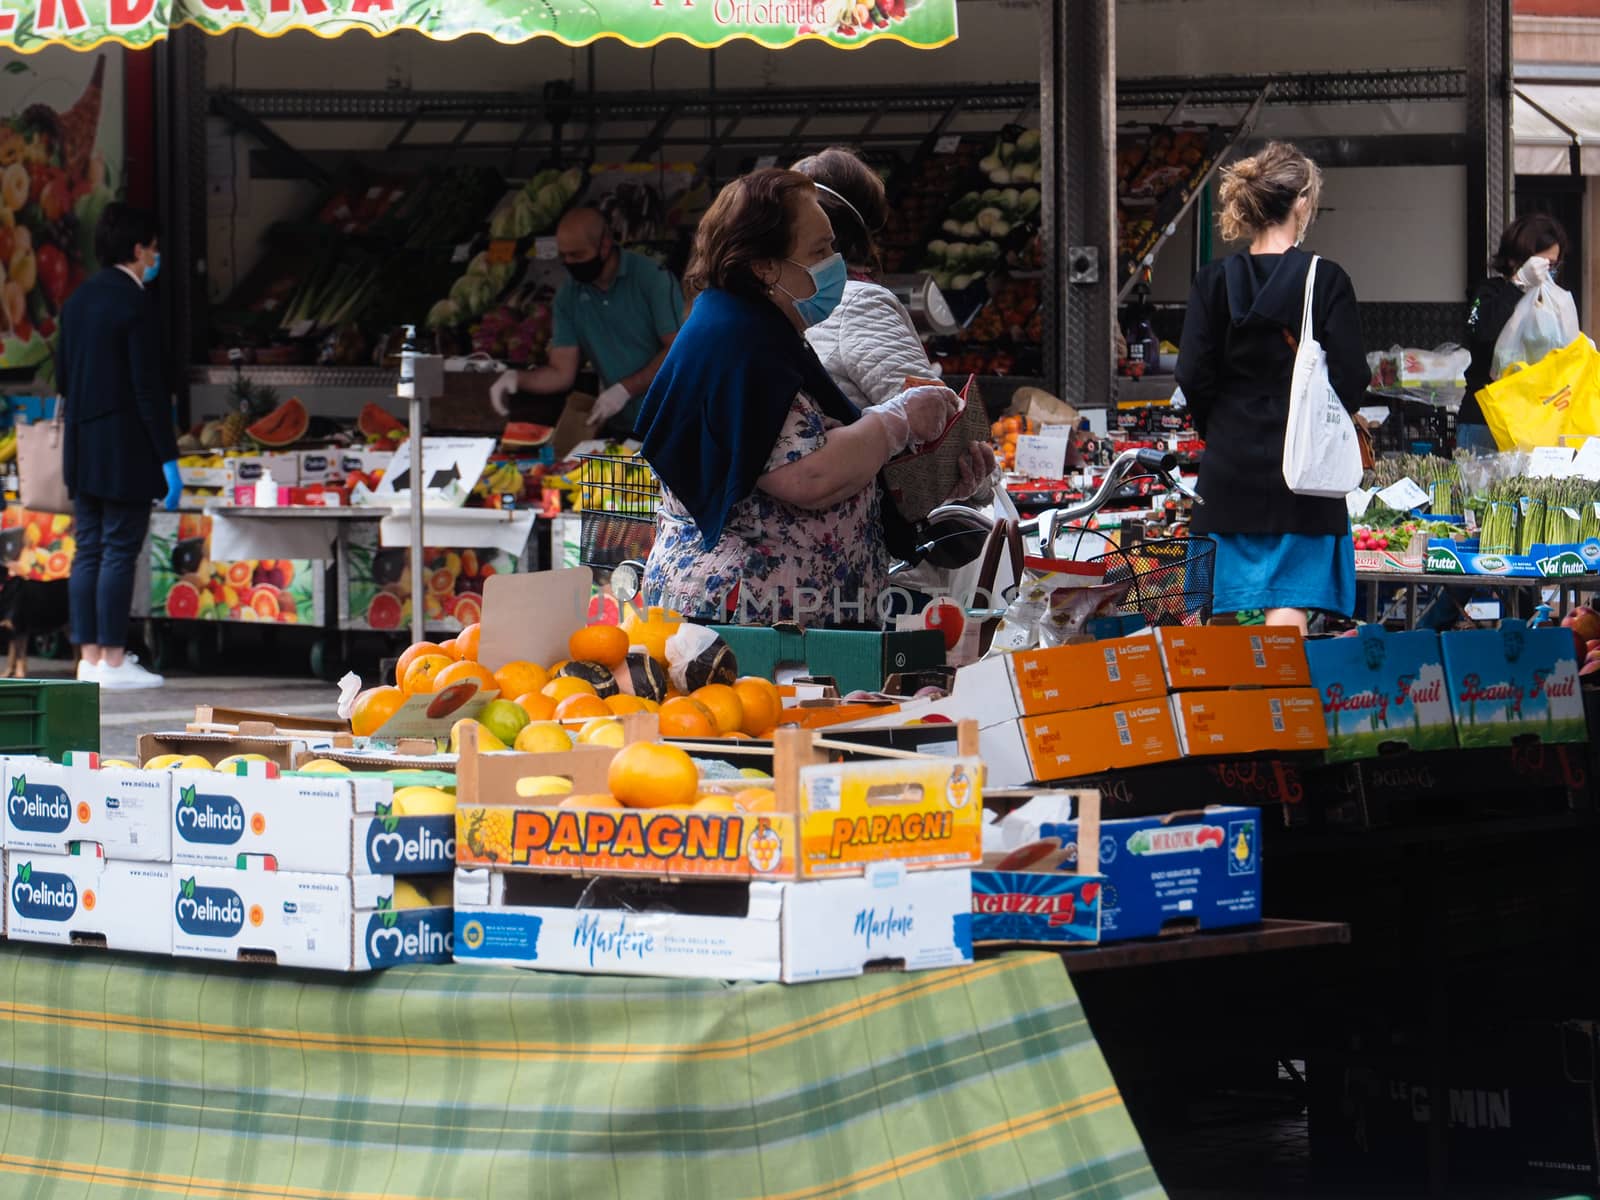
1247 170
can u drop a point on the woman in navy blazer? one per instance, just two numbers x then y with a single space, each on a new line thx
121 450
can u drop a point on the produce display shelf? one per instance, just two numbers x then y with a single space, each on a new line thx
1271 934
296 376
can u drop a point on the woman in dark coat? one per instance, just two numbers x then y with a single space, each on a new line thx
1276 550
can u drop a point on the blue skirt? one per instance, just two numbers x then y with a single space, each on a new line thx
1284 570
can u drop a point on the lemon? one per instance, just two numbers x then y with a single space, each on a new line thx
423 802
193 762
117 764
544 785
486 738
227 764
602 731
325 766
406 895
753 773
164 762
544 737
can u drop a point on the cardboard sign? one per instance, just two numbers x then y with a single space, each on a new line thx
1586 462
1041 457
529 617
450 469
1550 462
1404 495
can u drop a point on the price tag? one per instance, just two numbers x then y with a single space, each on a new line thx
766 160
1357 502
1586 463
1572 513
461 253
1550 462
1404 495
1040 457
545 249
1057 431
502 250
948 144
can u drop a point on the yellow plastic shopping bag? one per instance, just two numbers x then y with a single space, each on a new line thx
1535 405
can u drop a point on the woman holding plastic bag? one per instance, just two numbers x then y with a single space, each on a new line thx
1287 553
1523 271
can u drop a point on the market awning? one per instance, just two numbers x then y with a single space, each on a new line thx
1555 126
32 25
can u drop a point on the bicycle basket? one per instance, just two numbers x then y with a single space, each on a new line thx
617 497
1168 581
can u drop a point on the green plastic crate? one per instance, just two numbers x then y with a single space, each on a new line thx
48 716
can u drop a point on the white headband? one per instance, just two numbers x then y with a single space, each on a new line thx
822 187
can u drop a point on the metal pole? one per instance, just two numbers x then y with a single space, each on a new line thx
418 595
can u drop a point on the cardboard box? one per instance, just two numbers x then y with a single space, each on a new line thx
321 824
830 818
213 473
1043 893
1247 721
363 461
1513 683
1070 744
1179 872
1449 557
52 807
297 919
87 900
319 466
1228 656
1382 691
758 930
281 749
1057 679
859 660
244 469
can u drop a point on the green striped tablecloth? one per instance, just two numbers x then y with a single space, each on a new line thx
132 1076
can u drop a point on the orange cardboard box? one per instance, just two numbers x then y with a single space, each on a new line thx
1090 740
1228 656
1087 675
1250 720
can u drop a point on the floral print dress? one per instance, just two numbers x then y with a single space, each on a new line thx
774 561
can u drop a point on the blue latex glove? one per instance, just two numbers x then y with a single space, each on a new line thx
174 485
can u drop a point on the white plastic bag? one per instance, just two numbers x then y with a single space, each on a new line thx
1321 456
1545 319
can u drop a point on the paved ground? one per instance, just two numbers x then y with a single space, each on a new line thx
125 715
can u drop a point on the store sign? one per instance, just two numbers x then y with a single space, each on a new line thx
32 25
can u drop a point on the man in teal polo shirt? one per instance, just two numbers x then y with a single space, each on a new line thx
618 309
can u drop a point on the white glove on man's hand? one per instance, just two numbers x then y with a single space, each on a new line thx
610 402
501 390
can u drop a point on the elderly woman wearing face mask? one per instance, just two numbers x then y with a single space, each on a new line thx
770 502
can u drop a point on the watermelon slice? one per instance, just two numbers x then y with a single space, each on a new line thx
283 426
524 433
379 425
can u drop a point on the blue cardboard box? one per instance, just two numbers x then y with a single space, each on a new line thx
1382 691
1513 682
1043 907
1193 870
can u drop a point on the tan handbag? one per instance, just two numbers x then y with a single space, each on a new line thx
41 446
919 482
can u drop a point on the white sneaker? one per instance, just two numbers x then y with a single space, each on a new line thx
129 677
88 672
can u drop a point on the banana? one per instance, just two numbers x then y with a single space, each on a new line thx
8 446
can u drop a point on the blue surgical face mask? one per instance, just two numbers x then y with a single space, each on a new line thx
828 279
153 269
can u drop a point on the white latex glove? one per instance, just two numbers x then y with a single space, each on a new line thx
917 414
976 469
608 404
501 391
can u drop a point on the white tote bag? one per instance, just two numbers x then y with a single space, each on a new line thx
1321 455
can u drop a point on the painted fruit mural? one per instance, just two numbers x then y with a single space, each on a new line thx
375 583
186 585
37 545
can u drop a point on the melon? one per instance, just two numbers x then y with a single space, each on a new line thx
524 433
283 426
378 424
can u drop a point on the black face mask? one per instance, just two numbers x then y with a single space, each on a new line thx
589 269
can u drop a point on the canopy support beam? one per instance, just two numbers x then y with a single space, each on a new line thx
290 162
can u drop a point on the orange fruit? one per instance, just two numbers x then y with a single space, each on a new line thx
711 802
519 678
555 668
621 705
422 674
724 705
467 642
410 655
650 775
559 689
736 736
373 707
592 800
460 672
581 706
451 647
762 704
757 800
605 644
538 707
652 705
673 694
686 718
